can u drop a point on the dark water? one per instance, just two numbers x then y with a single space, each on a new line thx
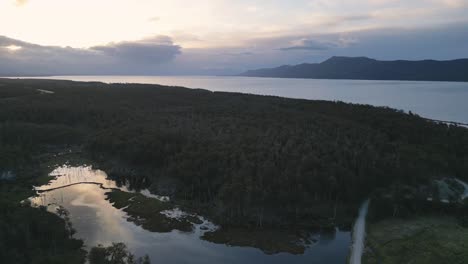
98 222
437 100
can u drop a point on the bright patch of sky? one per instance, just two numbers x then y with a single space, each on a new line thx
222 36
210 23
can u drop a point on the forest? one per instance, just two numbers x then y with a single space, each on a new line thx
243 160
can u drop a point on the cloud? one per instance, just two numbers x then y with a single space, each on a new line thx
236 54
4 41
307 44
322 43
20 2
454 3
440 43
160 56
252 9
156 50
129 57
154 19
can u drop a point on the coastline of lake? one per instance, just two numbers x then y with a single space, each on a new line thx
433 100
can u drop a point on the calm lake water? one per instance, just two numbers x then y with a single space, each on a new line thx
98 222
446 101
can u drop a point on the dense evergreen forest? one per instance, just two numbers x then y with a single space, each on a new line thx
244 160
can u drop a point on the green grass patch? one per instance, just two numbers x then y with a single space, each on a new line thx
421 240
146 212
269 241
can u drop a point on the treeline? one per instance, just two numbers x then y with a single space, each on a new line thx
34 236
405 202
117 253
245 160
30 235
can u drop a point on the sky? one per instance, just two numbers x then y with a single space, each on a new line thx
166 37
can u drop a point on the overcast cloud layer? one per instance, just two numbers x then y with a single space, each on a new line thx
134 57
222 36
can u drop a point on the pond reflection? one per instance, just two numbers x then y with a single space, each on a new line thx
66 176
98 222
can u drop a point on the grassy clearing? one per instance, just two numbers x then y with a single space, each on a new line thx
146 212
269 241
423 240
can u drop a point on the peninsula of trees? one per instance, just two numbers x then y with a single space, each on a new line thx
362 68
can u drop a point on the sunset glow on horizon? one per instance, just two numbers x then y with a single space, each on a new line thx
225 36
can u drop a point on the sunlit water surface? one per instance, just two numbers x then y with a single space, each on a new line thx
98 222
437 100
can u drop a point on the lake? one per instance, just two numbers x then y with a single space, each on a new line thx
436 100
81 191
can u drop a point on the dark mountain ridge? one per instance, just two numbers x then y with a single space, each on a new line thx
363 68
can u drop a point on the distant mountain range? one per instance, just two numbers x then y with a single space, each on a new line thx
362 68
